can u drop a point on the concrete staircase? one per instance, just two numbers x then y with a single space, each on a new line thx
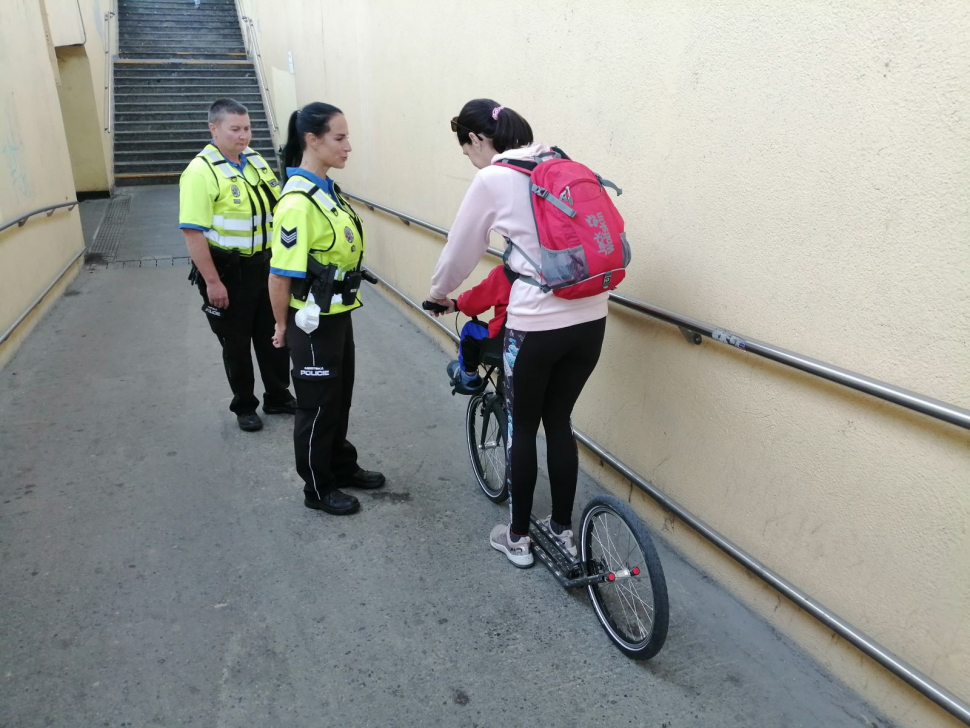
174 61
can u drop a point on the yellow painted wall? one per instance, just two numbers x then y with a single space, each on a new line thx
796 172
82 122
34 171
81 35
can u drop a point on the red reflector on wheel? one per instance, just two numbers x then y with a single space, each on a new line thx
611 577
636 571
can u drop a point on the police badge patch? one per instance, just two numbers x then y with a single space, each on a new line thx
235 190
349 234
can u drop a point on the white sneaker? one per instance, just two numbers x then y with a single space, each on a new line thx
518 553
565 538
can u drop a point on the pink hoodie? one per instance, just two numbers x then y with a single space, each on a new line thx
499 199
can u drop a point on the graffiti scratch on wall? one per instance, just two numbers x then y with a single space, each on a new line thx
13 163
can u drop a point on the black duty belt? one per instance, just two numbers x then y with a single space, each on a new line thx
234 258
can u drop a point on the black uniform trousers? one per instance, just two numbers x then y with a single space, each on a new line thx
247 325
323 378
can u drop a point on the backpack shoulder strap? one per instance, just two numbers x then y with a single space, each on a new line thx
561 153
513 276
519 165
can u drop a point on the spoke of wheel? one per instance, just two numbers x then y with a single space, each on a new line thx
636 614
633 588
626 592
622 600
623 595
614 552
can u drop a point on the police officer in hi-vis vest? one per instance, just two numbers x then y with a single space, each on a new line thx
226 199
315 276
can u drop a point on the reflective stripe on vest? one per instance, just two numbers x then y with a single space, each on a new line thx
302 184
238 225
234 241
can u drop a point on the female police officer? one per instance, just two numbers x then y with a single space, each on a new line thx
315 274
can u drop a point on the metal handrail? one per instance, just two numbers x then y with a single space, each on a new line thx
889 392
897 666
22 220
253 50
108 73
20 319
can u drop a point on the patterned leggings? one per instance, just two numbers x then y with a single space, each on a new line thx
545 372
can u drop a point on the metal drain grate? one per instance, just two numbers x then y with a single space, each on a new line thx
107 240
155 261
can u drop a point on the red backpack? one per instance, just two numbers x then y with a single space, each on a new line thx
584 248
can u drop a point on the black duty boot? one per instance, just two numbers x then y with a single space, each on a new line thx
335 502
286 407
249 422
364 479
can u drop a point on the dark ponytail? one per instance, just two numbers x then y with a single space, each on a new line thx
506 128
311 119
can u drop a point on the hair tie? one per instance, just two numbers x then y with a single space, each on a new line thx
495 112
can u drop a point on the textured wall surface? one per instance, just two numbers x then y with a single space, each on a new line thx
793 172
35 169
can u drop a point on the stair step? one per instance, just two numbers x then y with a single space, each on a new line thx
188 91
171 130
153 20
164 113
173 57
180 5
130 158
175 14
176 50
212 91
248 99
181 155
160 124
134 180
202 70
176 55
167 84
152 34
176 108
186 38
175 65
239 75
181 146
175 26
171 24
153 167
126 4
177 6
139 112
216 37
197 135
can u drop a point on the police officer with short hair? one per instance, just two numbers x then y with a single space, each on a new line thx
226 199
317 268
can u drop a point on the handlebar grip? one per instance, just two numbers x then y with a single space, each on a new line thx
433 307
